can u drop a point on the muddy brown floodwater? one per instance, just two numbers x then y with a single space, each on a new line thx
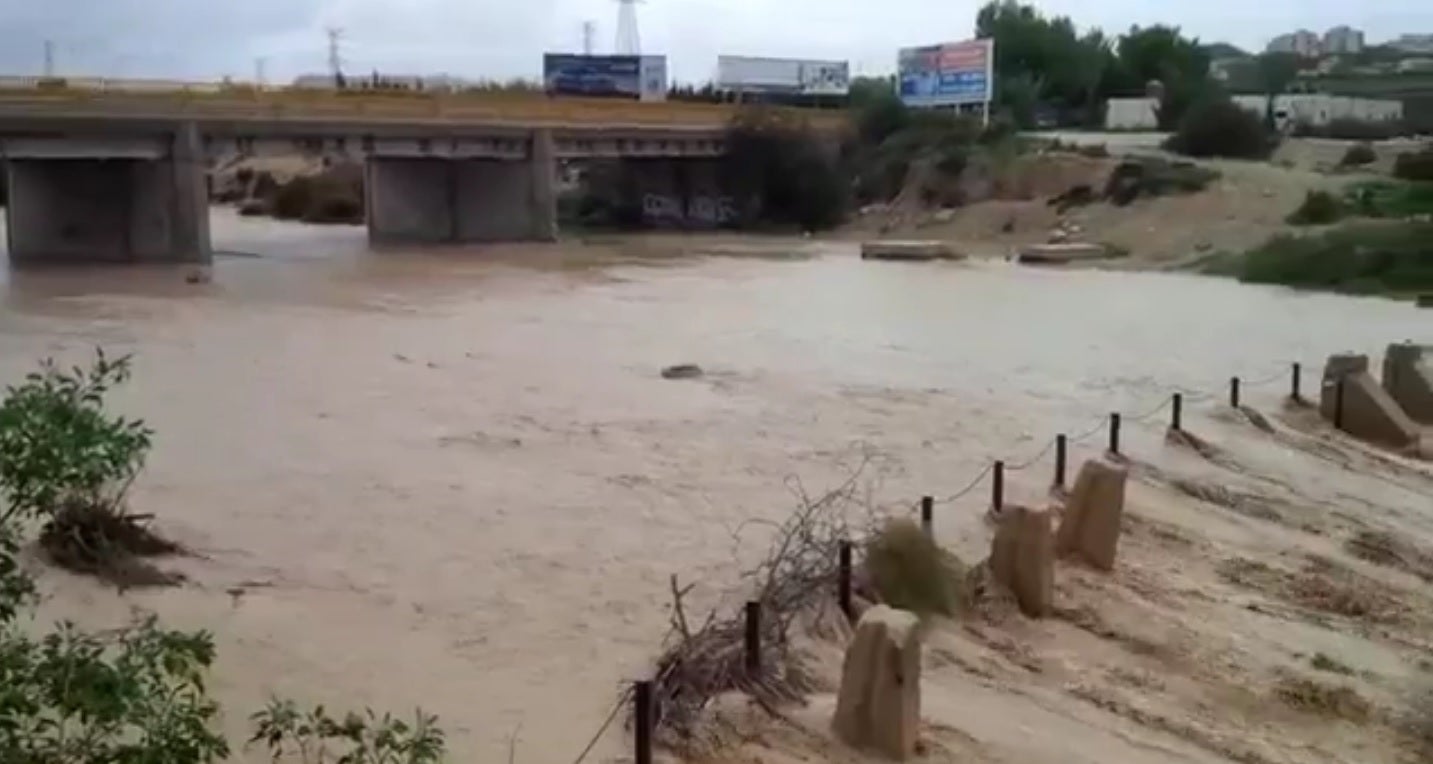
456 479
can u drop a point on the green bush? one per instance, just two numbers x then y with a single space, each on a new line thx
315 737
911 572
1415 166
292 200
1359 155
1319 208
1356 258
59 447
1390 199
1217 127
334 209
779 168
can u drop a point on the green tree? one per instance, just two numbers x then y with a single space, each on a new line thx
1041 59
1161 54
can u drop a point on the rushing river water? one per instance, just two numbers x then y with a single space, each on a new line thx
457 479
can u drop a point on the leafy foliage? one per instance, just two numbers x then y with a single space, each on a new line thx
315 737
1042 60
781 173
58 446
135 696
1217 127
1368 258
1391 199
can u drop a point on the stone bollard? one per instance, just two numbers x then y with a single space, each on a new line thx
879 706
1357 404
1408 378
1022 558
1090 529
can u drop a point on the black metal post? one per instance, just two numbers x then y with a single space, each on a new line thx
1338 405
1061 444
642 721
753 638
928 515
1177 423
1234 392
843 586
1114 434
1297 382
997 488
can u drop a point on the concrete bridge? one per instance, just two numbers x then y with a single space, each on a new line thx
123 176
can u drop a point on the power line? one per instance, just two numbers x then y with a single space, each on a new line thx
629 39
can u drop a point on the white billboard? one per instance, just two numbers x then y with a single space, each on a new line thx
783 75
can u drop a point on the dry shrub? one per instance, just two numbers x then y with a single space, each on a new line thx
1322 585
1325 585
1383 548
1324 662
1246 504
1418 721
107 543
795 582
1329 700
911 572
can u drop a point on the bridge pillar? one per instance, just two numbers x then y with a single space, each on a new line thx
441 199
69 202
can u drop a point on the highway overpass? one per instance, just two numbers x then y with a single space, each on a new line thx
122 176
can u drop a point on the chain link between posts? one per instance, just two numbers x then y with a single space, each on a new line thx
1188 396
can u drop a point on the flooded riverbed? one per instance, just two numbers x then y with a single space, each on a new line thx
456 479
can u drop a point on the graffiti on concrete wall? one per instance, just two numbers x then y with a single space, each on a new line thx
699 211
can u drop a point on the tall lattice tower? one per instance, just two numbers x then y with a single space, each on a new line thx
629 40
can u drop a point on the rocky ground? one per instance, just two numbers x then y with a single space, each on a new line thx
1240 210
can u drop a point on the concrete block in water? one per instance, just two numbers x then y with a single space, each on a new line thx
1366 410
880 701
1090 529
1063 253
1022 558
1408 378
909 250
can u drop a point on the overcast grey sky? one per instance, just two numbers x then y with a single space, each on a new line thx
206 39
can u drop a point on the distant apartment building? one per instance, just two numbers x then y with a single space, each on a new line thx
1413 43
1303 42
1342 39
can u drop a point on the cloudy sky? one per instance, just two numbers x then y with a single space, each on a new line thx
207 39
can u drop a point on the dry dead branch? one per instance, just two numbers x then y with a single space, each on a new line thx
796 578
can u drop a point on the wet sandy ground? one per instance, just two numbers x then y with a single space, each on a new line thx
456 479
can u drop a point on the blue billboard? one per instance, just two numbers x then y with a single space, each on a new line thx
953 74
637 77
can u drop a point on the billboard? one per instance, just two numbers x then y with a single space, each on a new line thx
952 74
639 77
783 75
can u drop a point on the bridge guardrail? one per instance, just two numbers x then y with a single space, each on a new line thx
248 102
